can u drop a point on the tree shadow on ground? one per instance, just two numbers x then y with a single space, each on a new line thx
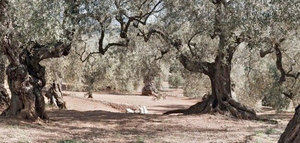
96 116
165 108
110 126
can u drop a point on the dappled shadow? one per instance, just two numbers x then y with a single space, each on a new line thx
104 126
129 125
95 116
113 93
88 125
165 108
178 106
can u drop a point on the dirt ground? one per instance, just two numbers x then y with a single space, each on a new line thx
102 119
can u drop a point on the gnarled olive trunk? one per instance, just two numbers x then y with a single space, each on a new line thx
26 100
54 94
4 97
292 131
220 100
26 78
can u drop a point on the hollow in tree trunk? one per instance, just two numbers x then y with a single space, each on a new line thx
292 131
54 94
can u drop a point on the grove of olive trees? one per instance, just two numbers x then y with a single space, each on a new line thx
97 59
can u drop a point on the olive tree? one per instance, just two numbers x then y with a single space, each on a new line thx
216 29
115 24
33 31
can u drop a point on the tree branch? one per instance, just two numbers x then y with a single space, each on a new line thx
162 54
145 16
190 44
52 50
199 67
124 27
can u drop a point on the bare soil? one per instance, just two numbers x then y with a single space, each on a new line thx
102 119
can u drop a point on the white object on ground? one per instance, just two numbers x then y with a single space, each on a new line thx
143 110
128 110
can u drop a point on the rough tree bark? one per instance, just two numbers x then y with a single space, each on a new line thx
221 100
26 78
4 97
54 94
292 131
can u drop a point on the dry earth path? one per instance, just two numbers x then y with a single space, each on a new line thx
154 106
94 121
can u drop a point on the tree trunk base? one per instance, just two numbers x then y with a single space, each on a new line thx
292 131
89 95
26 102
149 90
54 94
4 97
212 105
24 114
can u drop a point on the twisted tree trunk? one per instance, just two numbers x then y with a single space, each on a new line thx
292 131
23 102
220 100
26 78
54 94
4 97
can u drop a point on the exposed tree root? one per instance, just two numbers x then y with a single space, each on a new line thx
212 105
